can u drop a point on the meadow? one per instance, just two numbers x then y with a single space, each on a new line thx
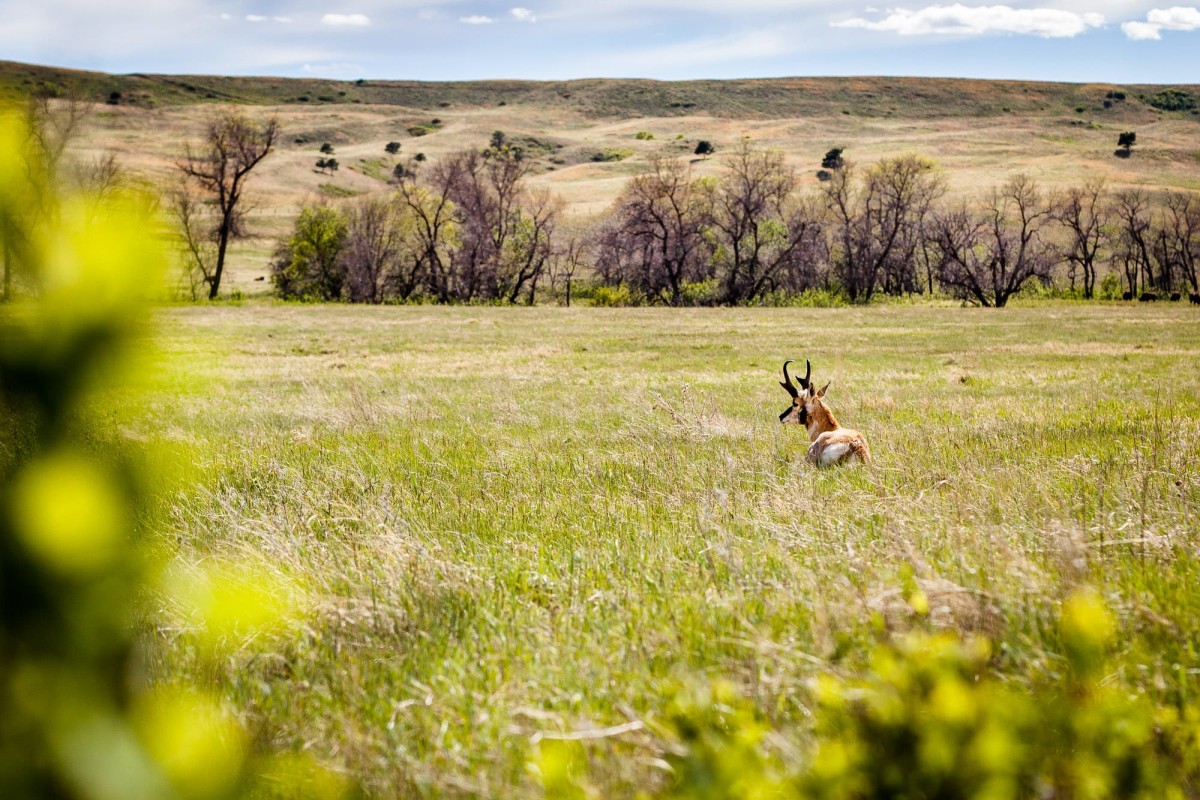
501 525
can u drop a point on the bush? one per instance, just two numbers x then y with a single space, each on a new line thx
1110 287
614 296
644 136
418 130
929 718
1172 100
611 154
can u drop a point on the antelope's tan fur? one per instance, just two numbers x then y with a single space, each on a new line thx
830 443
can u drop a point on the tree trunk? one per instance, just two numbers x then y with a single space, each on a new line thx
214 285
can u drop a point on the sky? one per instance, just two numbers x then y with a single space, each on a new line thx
1114 41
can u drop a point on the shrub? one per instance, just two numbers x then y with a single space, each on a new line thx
1172 100
644 136
928 718
611 154
418 130
613 296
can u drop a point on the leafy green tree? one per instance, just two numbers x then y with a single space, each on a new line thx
705 148
833 158
327 149
308 265
392 148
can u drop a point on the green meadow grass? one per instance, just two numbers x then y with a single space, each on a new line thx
509 523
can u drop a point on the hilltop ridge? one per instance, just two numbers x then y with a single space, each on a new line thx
929 98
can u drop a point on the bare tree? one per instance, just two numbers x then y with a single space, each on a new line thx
233 146
565 262
529 247
195 233
877 223
988 255
487 192
434 232
764 236
1085 214
50 126
653 239
1181 232
1131 237
375 251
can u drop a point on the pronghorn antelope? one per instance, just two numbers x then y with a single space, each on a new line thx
831 443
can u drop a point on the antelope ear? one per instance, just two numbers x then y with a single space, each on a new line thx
823 388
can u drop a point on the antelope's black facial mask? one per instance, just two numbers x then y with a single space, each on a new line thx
799 410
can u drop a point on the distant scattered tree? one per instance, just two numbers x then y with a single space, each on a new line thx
705 148
322 164
332 165
327 149
114 98
499 140
833 158
986 256
1126 141
392 147
232 147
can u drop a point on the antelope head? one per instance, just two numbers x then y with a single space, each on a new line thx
797 413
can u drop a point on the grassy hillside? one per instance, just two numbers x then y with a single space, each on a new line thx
507 521
931 98
977 132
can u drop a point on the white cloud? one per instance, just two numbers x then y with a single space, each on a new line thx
1176 18
975 20
346 20
284 20
255 18
523 15
476 19
1141 31
226 16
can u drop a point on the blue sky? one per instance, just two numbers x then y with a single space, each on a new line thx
1069 40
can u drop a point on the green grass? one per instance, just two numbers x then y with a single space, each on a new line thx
508 521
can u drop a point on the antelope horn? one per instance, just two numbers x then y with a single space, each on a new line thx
786 383
807 374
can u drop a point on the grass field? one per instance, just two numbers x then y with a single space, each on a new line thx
510 521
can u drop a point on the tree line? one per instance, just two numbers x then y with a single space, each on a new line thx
469 229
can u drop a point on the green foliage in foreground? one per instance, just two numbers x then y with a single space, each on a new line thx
79 550
928 719
521 531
